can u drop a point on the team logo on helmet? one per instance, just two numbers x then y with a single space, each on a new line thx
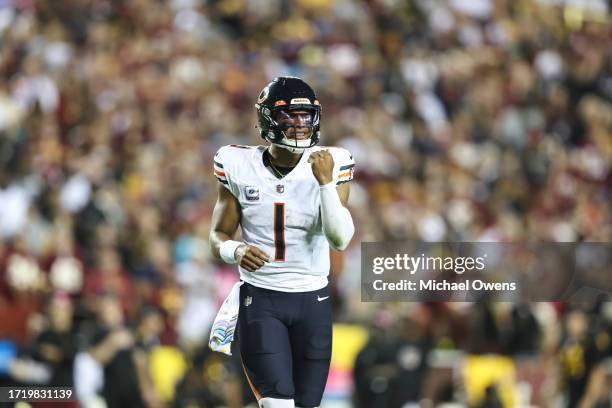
263 95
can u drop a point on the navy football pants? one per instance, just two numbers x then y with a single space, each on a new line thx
285 343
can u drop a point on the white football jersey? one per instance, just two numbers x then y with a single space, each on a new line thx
281 216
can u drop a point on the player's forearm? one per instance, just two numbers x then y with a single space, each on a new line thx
225 219
216 238
337 221
223 247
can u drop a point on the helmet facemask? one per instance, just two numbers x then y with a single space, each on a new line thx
296 127
287 135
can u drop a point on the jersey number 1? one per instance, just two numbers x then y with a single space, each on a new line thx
279 231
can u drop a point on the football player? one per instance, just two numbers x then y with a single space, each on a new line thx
289 199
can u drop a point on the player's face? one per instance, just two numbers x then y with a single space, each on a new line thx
297 123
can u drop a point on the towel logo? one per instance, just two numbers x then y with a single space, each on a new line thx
251 193
248 300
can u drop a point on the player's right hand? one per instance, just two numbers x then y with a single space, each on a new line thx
250 257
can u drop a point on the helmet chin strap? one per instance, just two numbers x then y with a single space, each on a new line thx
295 150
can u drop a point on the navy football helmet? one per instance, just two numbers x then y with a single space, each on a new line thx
281 96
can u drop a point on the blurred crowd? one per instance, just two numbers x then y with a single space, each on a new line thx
480 120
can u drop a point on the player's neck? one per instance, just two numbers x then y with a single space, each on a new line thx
283 157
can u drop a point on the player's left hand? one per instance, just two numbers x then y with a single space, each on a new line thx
322 166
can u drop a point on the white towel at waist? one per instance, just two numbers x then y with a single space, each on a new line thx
222 332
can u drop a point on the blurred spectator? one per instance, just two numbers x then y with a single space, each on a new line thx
580 355
148 331
57 344
112 344
390 370
110 277
211 381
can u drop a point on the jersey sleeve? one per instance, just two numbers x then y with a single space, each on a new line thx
222 169
344 166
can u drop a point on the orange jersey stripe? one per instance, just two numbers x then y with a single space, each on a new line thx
347 174
219 173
